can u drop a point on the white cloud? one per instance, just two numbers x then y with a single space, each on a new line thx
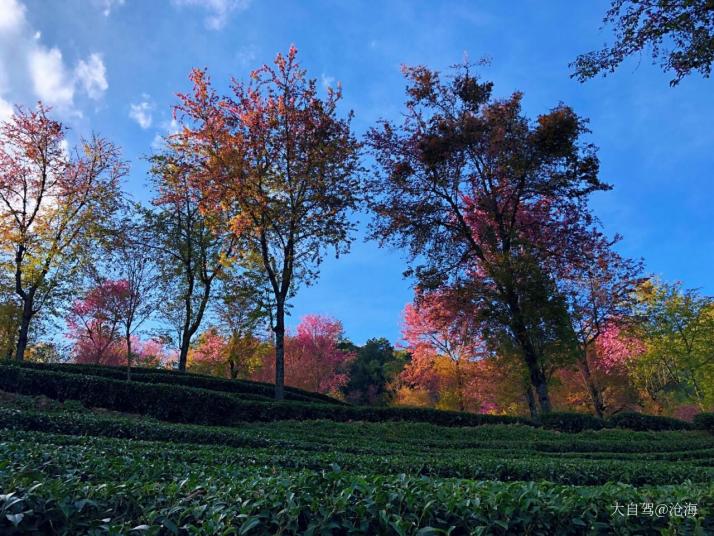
219 11
49 78
30 70
246 55
92 75
12 16
327 81
107 5
141 112
5 110
168 128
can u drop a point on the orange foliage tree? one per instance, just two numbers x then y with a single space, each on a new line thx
275 157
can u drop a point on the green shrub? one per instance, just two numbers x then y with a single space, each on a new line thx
570 422
178 403
704 421
170 403
248 389
641 422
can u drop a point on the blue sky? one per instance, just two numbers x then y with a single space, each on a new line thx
114 66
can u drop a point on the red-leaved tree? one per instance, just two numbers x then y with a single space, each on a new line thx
484 198
313 358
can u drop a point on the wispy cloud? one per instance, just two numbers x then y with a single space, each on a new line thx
142 112
327 81
218 11
26 63
246 55
167 128
108 5
92 75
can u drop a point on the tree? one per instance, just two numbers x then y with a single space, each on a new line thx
679 32
208 354
10 313
93 323
243 312
234 356
277 158
483 199
314 358
193 248
677 332
600 293
52 203
137 303
443 352
375 367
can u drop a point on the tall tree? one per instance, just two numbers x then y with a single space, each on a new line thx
435 339
52 203
681 32
194 248
279 160
138 302
482 197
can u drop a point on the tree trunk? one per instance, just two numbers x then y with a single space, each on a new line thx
595 393
279 330
532 407
530 355
234 370
538 379
542 390
24 330
128 357
460 387
183 353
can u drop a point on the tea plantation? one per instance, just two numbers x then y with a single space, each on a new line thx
81 464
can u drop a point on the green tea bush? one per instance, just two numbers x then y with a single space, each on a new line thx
640 421
150 375
704 421
178 403
125 487
571 422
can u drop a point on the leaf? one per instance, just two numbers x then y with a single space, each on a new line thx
15 519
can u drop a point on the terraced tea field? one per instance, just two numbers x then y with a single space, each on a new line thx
68 469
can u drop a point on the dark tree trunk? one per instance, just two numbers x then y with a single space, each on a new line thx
594 391
183 353
539 382
279 330
532 407
128 356
234 370
530 355
460 387
23 332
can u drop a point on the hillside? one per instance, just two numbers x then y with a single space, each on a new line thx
69 469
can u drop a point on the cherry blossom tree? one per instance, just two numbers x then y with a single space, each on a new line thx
94 323
313 357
